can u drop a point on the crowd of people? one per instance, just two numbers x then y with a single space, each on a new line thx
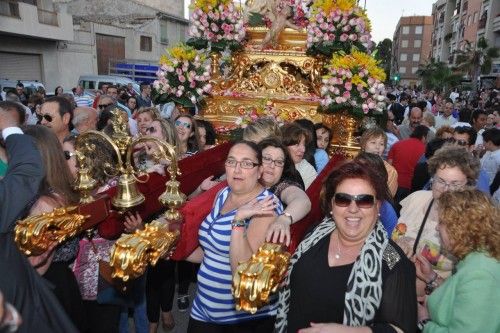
410 238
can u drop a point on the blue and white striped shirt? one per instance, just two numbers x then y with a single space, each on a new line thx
214 301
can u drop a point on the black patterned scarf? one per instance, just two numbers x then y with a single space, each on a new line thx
364 287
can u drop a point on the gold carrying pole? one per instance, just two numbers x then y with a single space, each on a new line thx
35 234
256 279
131 254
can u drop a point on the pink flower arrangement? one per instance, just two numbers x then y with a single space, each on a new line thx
334 28
354 84
217 24
183 76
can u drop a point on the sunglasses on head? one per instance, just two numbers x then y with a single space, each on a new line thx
361 200
103 106
184 124
68 154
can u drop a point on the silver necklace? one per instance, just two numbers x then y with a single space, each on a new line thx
337 255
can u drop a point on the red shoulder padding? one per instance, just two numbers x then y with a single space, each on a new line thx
297 230
193 213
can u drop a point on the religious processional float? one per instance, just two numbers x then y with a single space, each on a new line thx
285 59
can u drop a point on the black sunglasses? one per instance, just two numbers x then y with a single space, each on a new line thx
462 143
47 117
103 106
68 154
151 129
361 200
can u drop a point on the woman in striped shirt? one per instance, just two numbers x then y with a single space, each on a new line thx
231 233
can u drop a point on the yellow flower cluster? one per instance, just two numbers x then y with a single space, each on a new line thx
207 5
358 60
181 52
329 6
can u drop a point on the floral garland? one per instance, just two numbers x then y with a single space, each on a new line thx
217 24
354 84
183 76
337 25
265 108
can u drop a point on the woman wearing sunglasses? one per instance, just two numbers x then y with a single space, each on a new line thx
347 275
451 168
56 192
233 231
189 142
145 158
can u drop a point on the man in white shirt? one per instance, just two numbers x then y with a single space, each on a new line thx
446 118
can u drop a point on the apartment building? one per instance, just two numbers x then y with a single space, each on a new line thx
56 41
489 28
411 46
458 24
455 26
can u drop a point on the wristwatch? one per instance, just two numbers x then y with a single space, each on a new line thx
289 216
239 223
431 285
422 323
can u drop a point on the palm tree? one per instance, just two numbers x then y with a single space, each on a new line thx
474 61
438 76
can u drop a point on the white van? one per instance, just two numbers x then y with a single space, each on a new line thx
92 83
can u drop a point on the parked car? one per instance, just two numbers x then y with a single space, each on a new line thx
92 83
30 87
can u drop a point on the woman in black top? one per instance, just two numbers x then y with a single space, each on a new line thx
347 275
280 177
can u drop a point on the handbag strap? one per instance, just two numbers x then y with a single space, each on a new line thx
422 225
94 248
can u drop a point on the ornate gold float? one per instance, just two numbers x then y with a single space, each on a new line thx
255 280
284 75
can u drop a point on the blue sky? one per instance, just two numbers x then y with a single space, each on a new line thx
385 14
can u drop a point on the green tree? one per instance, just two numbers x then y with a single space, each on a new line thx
475 61
438 76
383 52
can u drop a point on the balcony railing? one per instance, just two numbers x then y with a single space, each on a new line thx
47 17
9 8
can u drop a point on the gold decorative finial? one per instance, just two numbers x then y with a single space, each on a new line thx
35 234
256 279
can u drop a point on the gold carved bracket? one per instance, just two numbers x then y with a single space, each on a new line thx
255 280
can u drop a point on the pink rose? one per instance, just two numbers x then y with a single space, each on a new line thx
348 86
343 37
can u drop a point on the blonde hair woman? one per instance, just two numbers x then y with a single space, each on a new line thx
469 227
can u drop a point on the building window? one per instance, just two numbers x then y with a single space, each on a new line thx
146 44
468 20
414 70
476 17
404 43
416 57
402 70
403 57
417 43
419 29
406 30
